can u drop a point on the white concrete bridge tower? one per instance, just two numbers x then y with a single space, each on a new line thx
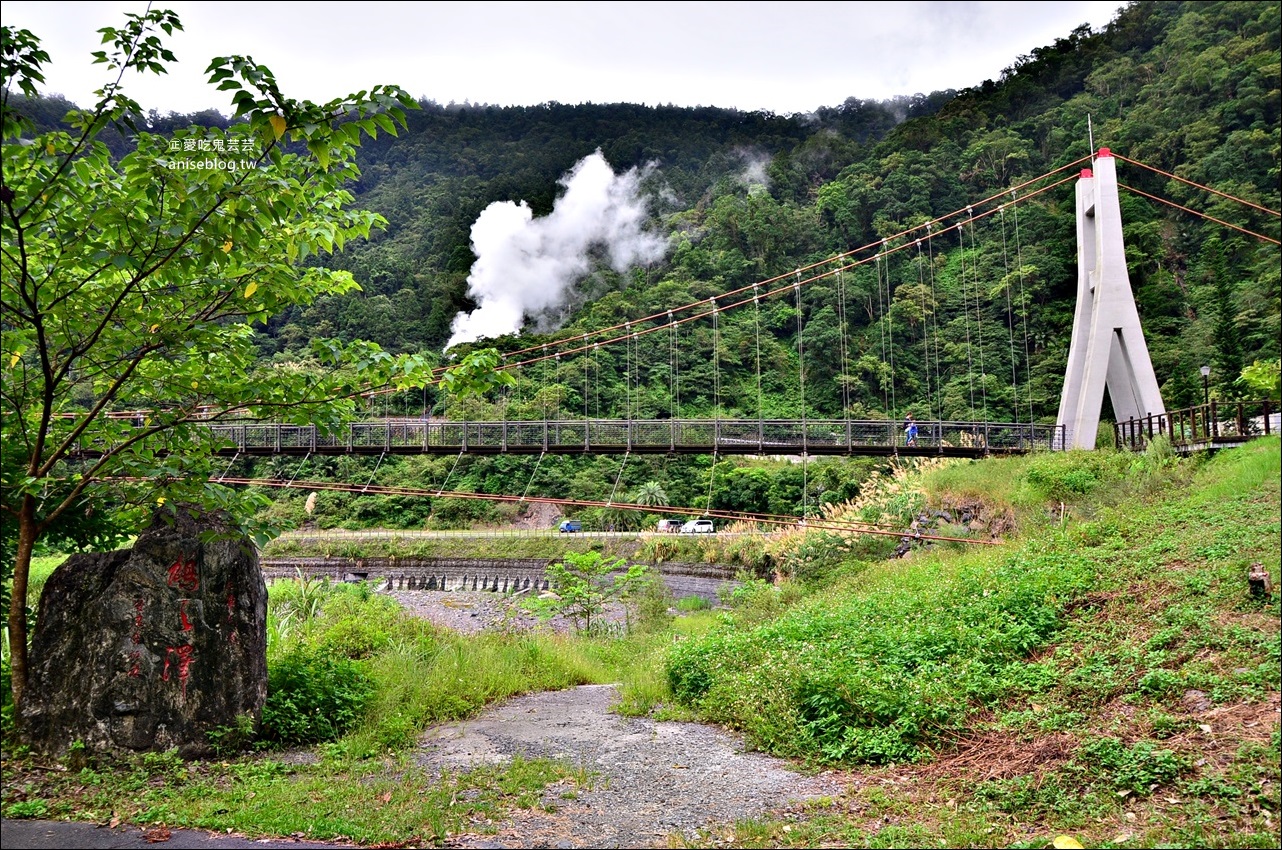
1108 348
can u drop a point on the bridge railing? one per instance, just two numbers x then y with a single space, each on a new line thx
1202 425
725 436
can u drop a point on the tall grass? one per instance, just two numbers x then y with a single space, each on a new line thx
1226 476
450 678
878 672
417 674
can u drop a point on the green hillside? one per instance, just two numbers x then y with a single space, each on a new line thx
1191 89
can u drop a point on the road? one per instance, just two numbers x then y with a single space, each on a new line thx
60 835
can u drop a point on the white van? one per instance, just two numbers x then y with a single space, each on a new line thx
698 526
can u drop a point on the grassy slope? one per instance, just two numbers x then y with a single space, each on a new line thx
1110 679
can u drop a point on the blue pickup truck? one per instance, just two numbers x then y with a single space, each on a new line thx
570 526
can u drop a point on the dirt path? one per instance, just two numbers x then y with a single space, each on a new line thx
651 782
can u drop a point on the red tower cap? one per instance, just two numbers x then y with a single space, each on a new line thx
1103 152
1086 172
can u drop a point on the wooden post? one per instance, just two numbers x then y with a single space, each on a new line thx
1260 582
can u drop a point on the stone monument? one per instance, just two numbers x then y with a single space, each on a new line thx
150 648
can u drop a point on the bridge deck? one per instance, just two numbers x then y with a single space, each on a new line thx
607 436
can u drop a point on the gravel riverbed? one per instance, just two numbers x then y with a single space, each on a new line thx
471 611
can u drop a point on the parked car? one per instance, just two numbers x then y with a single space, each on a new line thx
570 526
698 526
669 526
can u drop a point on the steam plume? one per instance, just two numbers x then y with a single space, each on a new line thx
525 267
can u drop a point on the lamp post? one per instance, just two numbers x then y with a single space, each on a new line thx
1206 390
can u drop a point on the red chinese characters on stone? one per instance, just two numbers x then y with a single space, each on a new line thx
182 657
182 613
232 637
182 575
135 664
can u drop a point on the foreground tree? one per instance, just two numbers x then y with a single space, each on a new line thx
131 287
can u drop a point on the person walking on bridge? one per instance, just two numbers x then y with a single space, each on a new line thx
910 431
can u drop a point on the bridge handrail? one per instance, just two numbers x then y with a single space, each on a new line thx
767 436
1202 424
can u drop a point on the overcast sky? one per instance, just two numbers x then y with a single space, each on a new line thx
781 57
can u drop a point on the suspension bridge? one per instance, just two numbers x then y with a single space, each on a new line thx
681 352
622 436
638 380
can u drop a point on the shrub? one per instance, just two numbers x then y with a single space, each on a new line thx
355 623
313 696
1067 476
755 600
588 583
653 603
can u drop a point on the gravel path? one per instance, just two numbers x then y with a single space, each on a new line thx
652 783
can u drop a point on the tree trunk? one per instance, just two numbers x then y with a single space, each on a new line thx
18 602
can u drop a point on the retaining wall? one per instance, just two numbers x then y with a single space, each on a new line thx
501 575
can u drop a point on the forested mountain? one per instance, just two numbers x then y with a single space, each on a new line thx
973 324
1191 89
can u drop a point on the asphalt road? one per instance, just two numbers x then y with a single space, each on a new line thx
61 835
